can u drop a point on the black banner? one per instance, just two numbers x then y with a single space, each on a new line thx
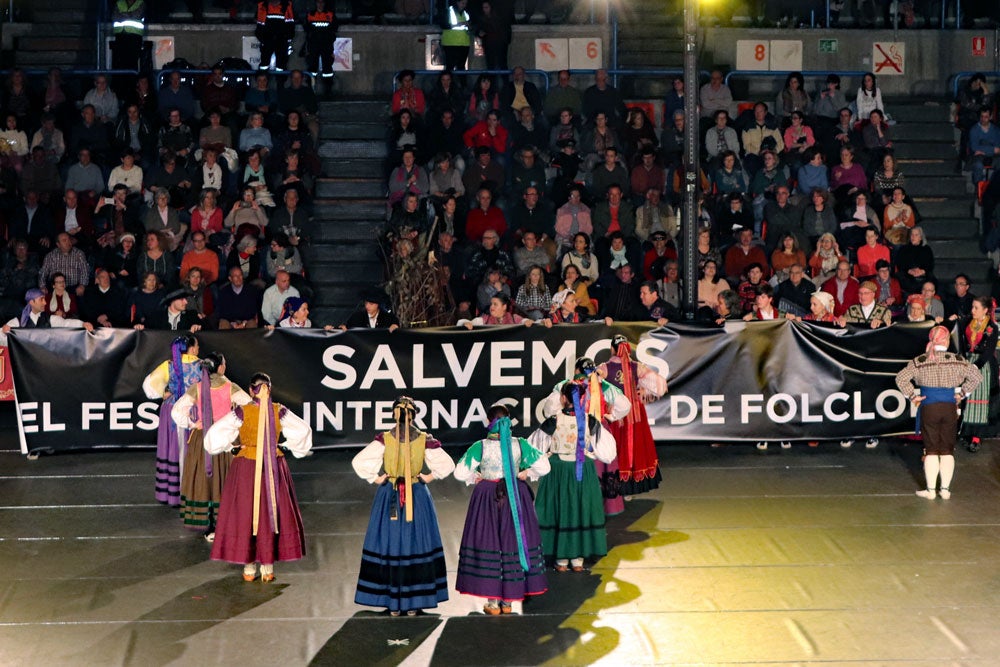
761 381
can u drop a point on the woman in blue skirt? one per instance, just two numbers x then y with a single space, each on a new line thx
402 561
501 554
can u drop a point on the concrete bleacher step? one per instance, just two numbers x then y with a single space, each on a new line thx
353 149
344 252
943 208
980 270
923 131
342 293
934 111
353 188
63 30
374 130
346 230
949 228
956 249
357 168
924 150
940 167
55 58
354 110
347 209
54 43
936 186
61 16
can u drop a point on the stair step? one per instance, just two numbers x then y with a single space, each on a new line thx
359 168
934 186
655 45
80 59
918 113
346 252
60 30
927 167
376 130
341 294
654 29
353 149
949 228
922 150
348 209
331 231
956 249
943 208
351 188
60 16
74 43
922 131
352 110
979 270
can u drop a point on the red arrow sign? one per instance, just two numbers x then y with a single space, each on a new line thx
547 50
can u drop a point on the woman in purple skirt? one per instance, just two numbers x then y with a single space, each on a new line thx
501 554
259 519
169 381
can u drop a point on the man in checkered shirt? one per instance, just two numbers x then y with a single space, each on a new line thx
67 260
937 381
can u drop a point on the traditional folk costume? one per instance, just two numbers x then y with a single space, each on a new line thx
937 380
611 406
977 343
638 463
204 475
402 561
570 513
169 381
259 518
501 554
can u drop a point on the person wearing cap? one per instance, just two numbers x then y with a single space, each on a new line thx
661 251
937 381
402 562
35 316
372 316
501 519
606 403
868 312
259 518
169 380
916 310
820 309
568 502
173 314
294 314
566 310
203 476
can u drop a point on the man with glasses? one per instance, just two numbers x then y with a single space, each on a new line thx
796 289
959 305
201 257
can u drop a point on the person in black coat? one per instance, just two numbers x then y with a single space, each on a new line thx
104 304
173 314
371 316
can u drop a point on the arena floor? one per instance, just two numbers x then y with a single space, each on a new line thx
786 557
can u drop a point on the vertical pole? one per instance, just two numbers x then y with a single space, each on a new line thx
828 14
689 218
958 14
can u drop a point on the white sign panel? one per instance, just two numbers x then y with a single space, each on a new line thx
786 55
753 54
433 52
343 54
251 51
586 53
889 58
163 51
551 55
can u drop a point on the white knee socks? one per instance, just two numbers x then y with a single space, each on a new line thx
947 471
932 465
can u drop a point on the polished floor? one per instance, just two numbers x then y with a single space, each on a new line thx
786 557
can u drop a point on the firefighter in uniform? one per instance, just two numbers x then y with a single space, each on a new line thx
321 31
275 29
129 24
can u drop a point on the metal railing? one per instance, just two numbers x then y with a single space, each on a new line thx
239 76
538 74
753 73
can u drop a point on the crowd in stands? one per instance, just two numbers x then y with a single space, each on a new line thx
138 206
520 202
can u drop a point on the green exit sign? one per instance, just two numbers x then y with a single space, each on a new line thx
828 45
